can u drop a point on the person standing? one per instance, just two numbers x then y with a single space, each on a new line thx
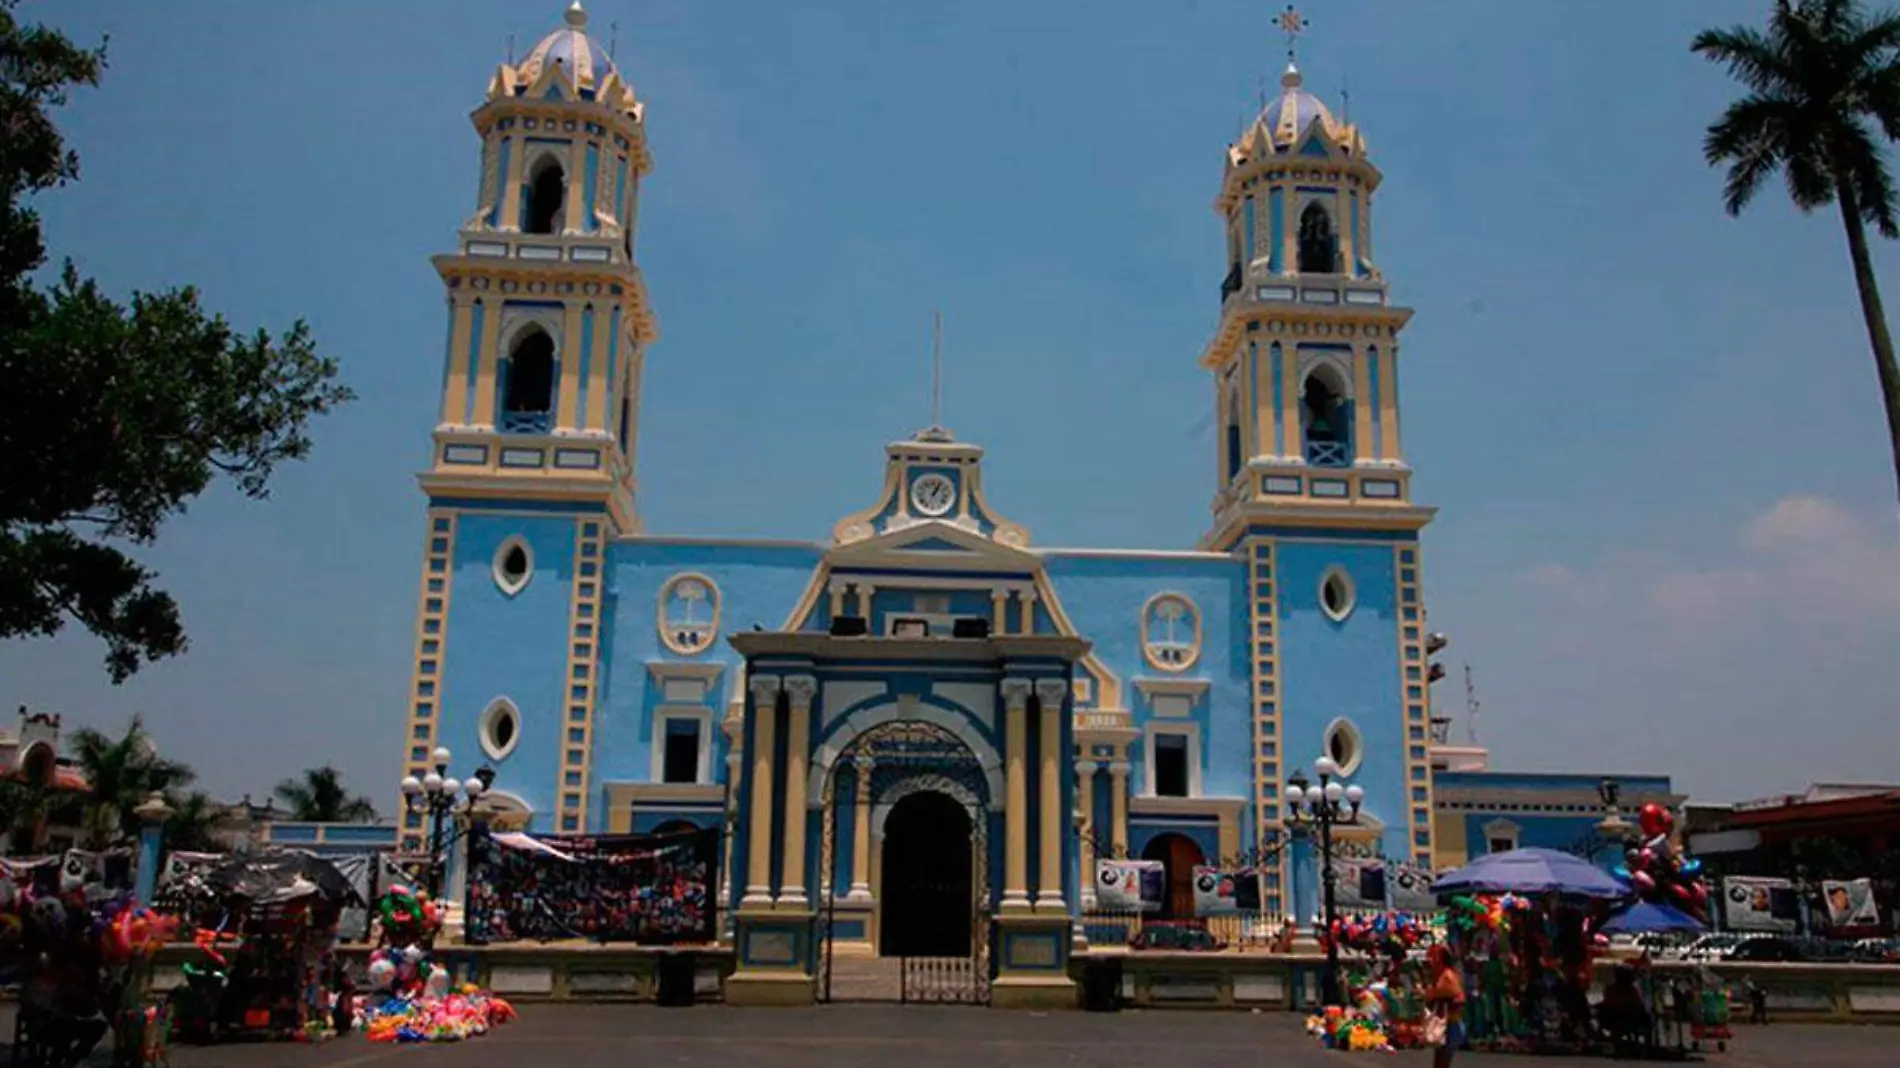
1445 998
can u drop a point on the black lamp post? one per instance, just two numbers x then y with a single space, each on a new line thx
439 796
1325 805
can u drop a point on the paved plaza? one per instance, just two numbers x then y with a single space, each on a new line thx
599 1036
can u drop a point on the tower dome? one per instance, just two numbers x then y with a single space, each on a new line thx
1289 116
586 60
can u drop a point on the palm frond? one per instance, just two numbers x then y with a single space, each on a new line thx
1750 56
1866 169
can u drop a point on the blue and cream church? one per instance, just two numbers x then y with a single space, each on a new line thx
921 723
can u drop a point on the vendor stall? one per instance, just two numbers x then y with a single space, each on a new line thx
263 970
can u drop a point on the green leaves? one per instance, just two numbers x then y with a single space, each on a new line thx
319 797
113 417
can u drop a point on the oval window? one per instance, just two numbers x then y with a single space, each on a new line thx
514 566
1336 594
500 728
1344 745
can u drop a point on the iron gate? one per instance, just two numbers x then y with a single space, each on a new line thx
894 762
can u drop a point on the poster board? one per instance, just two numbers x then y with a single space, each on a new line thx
1850 903
1411 888
1219 892
1130 885
1361 884
1751 903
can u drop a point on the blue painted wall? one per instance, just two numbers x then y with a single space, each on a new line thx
514 647
1104 595
1344 669
758 584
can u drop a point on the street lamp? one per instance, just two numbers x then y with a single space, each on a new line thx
440 796
1325 805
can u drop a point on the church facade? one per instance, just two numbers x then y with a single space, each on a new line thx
920 713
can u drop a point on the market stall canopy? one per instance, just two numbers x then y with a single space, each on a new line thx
271 878
1530 871
1649 917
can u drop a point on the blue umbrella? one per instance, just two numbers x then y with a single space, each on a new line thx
1647 917
1530 871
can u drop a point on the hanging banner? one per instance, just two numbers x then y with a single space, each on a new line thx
1361 884
1850 903
1759 904
1224 893
1129 885
1412 888
650 889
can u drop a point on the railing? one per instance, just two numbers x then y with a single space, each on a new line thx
940 981
1327 454
525 422
1242 932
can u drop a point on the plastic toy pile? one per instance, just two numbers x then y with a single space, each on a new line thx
1380 1018
412 997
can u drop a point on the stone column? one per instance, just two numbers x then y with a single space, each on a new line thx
836 591
799 691
1085 801
1027 598
999 610
152 815
1050 694
1118 806
865 591
733 760
861 835
1016 786
758 890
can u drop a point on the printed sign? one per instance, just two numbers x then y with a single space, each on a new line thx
1361 884
1850 904
1412 888
1130 885
1223 893
1758 904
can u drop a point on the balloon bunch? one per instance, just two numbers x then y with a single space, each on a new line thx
1469 914
1657 868
1387 934
129 931
408 916
406 973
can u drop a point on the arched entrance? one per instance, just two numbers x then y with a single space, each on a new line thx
910 798
926 893
1179 856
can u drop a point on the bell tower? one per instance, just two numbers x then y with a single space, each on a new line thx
1313 492
548 315
1305 355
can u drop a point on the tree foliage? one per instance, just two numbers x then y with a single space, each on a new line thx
1822 101
123 773
319 797
113 417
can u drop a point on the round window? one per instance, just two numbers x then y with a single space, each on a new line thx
514 566
1336 594
1344 745
500 728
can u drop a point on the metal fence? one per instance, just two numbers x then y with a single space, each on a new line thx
1244 932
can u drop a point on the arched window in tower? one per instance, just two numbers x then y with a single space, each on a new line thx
545 197
1319 241
527 384
1231 417
1326 419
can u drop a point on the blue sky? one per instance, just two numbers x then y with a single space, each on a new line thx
1667 531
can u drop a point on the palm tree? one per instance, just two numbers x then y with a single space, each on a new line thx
193 823
1824 89
122 774
319 797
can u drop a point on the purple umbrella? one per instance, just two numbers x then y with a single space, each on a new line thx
1530 871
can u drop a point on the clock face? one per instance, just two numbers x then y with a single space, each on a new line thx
933 495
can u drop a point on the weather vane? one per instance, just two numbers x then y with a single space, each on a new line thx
1292 23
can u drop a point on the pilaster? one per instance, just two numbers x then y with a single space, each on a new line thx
861 834
758 892
1015 784
1051 695
799 691
1085 801
1118 806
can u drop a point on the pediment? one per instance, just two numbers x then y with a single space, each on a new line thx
933 545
